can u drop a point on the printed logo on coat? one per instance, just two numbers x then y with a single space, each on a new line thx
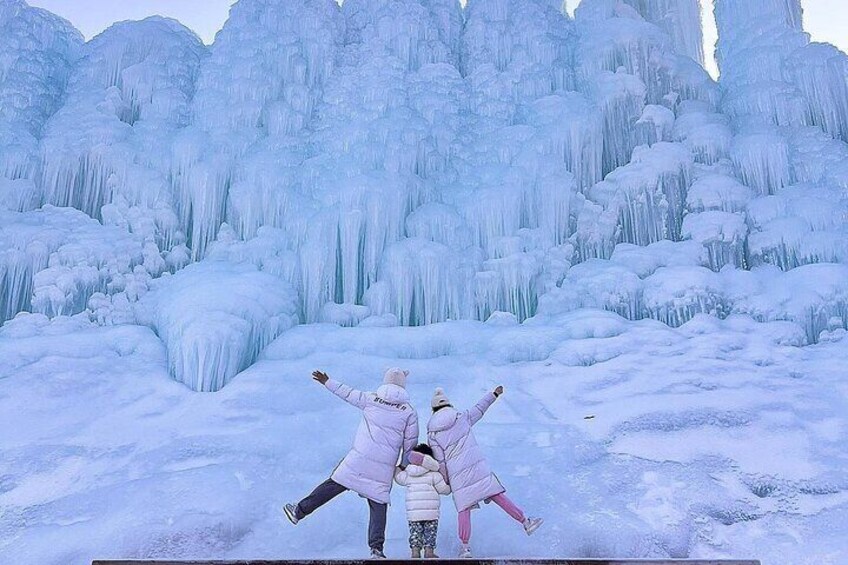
379 400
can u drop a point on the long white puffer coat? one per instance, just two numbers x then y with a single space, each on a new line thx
389 429
424 487
454 446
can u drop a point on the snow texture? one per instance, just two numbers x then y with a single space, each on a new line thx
707 441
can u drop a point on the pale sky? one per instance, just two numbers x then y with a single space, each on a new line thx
825 20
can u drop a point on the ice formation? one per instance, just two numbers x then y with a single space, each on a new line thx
415 161
53 260
215 317
102 152
39 51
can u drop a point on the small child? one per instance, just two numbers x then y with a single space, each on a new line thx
424 485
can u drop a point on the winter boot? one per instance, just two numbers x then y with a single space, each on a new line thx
290 510
416 552
465 552
430 553
532 524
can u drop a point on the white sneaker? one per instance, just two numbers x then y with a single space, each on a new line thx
465 552
377 554
532 524
290 510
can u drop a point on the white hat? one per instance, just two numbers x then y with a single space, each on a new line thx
395 376
439 399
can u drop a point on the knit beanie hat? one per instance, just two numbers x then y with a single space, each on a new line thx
395 376
439 399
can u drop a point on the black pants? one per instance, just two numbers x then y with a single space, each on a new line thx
330 489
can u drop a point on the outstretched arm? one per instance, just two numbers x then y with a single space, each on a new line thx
348 394
476 413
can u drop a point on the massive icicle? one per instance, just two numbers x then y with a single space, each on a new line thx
54 259
798 226
756 37
723 234
771 71
387 122
37 52
529 143
646 196
215 317
394 162
681 20
106 151
789 100
614 35
256 96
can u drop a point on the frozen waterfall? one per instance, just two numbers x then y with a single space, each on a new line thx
414 161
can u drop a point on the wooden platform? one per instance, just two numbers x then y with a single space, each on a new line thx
450 562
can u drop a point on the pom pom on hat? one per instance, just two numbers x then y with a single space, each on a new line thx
440 399
395 376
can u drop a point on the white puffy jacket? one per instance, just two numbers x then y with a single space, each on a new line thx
454 445
387 433
424 487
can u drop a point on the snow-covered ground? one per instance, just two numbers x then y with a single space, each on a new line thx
717 439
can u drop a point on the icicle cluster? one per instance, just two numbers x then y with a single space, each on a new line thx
38 53
763 169
771 71
53 260
102 152
215 318
407 162
256 96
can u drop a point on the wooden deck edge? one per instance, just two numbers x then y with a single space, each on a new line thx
441 561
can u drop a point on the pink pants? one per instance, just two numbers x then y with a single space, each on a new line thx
501 500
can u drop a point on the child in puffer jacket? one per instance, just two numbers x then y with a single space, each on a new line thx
425 485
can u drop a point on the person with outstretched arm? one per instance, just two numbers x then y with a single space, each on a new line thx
387 434
452 440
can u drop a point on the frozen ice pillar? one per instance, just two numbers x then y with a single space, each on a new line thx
755 38
215 317
37 53
680 19
772 73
